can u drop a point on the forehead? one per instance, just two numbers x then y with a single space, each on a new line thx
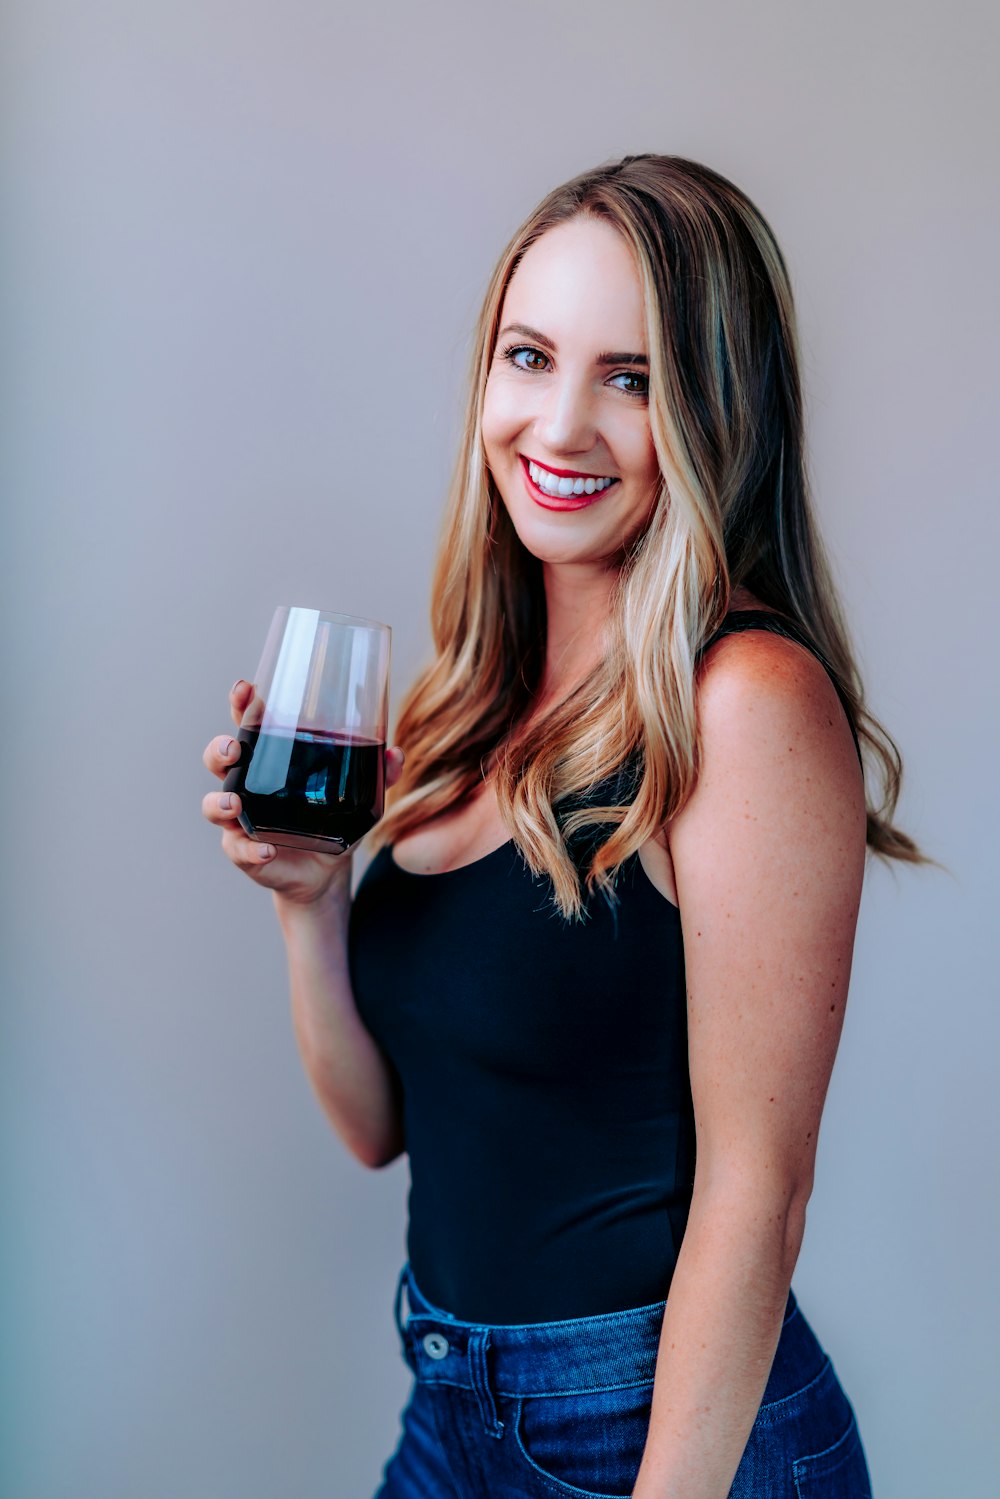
579 282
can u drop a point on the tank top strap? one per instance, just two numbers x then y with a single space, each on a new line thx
779 624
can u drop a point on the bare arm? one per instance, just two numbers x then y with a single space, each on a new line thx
349 1074
351 1077
769 859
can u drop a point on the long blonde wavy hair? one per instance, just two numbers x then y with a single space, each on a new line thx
725 410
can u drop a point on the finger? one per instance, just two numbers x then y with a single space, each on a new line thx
245 853
221 755
394 758
239 699
221 807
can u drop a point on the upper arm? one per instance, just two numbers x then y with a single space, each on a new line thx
768 856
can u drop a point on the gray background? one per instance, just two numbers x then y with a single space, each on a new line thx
245 244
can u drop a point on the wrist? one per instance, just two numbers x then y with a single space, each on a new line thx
332 902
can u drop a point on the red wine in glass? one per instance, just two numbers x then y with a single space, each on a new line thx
308 783
311 773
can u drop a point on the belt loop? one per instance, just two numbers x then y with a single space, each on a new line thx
479 1341
397 1312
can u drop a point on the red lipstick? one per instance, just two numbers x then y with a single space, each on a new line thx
561 502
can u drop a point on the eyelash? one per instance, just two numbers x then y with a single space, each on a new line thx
512 349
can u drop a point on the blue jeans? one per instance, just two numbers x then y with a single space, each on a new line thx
550 1409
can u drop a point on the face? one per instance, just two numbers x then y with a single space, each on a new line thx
566 413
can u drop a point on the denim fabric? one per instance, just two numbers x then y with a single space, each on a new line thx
560 1410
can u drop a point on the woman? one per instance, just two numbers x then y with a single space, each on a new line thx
594 979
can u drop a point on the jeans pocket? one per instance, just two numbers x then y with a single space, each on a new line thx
590 1444
838 1472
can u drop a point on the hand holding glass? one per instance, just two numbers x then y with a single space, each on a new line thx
311 773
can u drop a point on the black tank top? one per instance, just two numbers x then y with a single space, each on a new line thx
544 1077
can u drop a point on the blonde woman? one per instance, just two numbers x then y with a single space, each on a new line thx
594 979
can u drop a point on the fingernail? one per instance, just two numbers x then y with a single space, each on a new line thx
240 682
267 850
226 800
226 746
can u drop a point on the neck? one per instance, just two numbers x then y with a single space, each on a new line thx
577 607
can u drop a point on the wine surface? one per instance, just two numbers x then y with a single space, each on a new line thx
308 784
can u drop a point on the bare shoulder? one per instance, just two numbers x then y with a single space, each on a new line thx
778 776
759 683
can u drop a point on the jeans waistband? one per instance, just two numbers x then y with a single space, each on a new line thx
612 1350
533 1358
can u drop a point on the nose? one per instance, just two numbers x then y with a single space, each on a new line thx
565 420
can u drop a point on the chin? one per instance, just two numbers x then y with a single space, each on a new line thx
561 547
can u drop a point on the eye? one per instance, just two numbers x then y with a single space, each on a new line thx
639 388
513 354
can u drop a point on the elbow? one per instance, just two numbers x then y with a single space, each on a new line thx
769 1214
371 1150
795 1224
378 1162
381 1154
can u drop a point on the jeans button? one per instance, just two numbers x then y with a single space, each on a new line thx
435 1345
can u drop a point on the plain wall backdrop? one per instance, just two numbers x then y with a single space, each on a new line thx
245 245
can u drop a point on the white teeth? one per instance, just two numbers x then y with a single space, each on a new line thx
553 485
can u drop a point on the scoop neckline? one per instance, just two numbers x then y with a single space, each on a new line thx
441 874
438 874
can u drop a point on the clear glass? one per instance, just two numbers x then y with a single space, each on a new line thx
311 773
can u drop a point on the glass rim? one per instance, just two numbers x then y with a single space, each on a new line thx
341 619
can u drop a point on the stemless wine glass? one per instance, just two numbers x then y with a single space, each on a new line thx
311 773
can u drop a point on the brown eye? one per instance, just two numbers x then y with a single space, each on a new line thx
640 387
523 357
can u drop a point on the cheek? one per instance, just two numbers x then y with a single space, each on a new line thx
646 462
503 414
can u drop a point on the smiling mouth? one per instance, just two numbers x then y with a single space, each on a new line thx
566 484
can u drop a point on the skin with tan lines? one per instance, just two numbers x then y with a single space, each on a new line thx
765 859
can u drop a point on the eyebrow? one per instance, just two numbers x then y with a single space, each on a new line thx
541 338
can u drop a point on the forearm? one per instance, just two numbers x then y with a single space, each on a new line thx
347 1070
720 1330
